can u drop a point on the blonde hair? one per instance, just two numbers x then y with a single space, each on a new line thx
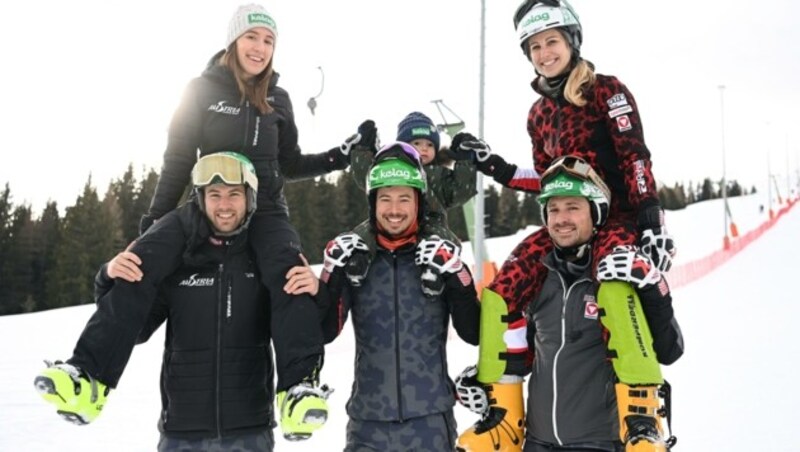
581 77
254 90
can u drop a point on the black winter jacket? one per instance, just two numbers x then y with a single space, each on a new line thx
217 371
212 118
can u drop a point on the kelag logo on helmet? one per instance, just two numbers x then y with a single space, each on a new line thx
558 183
535 16
395 172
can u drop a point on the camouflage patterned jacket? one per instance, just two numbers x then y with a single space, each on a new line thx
401 336
446 187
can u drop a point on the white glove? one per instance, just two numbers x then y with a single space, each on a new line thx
470 392
479 147
440 254
338 251
626 264
348 144
659 245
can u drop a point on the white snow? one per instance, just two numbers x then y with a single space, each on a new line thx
733 389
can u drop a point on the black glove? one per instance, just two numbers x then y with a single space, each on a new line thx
369 136
458 151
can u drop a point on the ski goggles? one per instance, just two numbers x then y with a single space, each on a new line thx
577 167
225 167
408 150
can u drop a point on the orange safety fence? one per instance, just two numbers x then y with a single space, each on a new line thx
681 275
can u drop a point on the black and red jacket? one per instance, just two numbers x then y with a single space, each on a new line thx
606 132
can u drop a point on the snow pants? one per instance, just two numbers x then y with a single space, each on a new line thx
432 433
295 324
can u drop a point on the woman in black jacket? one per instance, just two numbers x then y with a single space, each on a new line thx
236 105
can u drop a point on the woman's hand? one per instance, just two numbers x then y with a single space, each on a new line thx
125 265
301 279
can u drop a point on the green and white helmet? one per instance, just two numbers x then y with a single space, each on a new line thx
230 168
536 16
572 176
397 165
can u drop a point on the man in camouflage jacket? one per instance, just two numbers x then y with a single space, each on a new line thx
402 396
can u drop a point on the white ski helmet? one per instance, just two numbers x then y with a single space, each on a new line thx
535 16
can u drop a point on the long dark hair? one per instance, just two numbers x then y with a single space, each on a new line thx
254 90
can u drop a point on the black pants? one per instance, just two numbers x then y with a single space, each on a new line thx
295 324
535 445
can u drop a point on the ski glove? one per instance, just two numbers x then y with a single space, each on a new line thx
339 252
654 240
77 396
369 136
457 151
440 254
303 409
625 263
348 144
470 392
439 259
478 147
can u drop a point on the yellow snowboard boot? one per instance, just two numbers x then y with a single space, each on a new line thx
502 428
640 413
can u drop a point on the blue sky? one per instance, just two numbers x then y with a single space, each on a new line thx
90 86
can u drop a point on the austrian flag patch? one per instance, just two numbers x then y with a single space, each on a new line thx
590 308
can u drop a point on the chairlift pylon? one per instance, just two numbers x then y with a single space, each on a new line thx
312 102
450 128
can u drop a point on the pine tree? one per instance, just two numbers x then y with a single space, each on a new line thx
20 255
90 237
48 236
530 211
351 203
144 194
5 242
124 192
507 220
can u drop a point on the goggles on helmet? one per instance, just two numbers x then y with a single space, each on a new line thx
229 168
577 167
408 150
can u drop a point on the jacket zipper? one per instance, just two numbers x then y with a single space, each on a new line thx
566 292
397 338
246 125
219 350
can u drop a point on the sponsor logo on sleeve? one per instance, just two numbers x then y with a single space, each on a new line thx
620 111
624 123
617 100
590 308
